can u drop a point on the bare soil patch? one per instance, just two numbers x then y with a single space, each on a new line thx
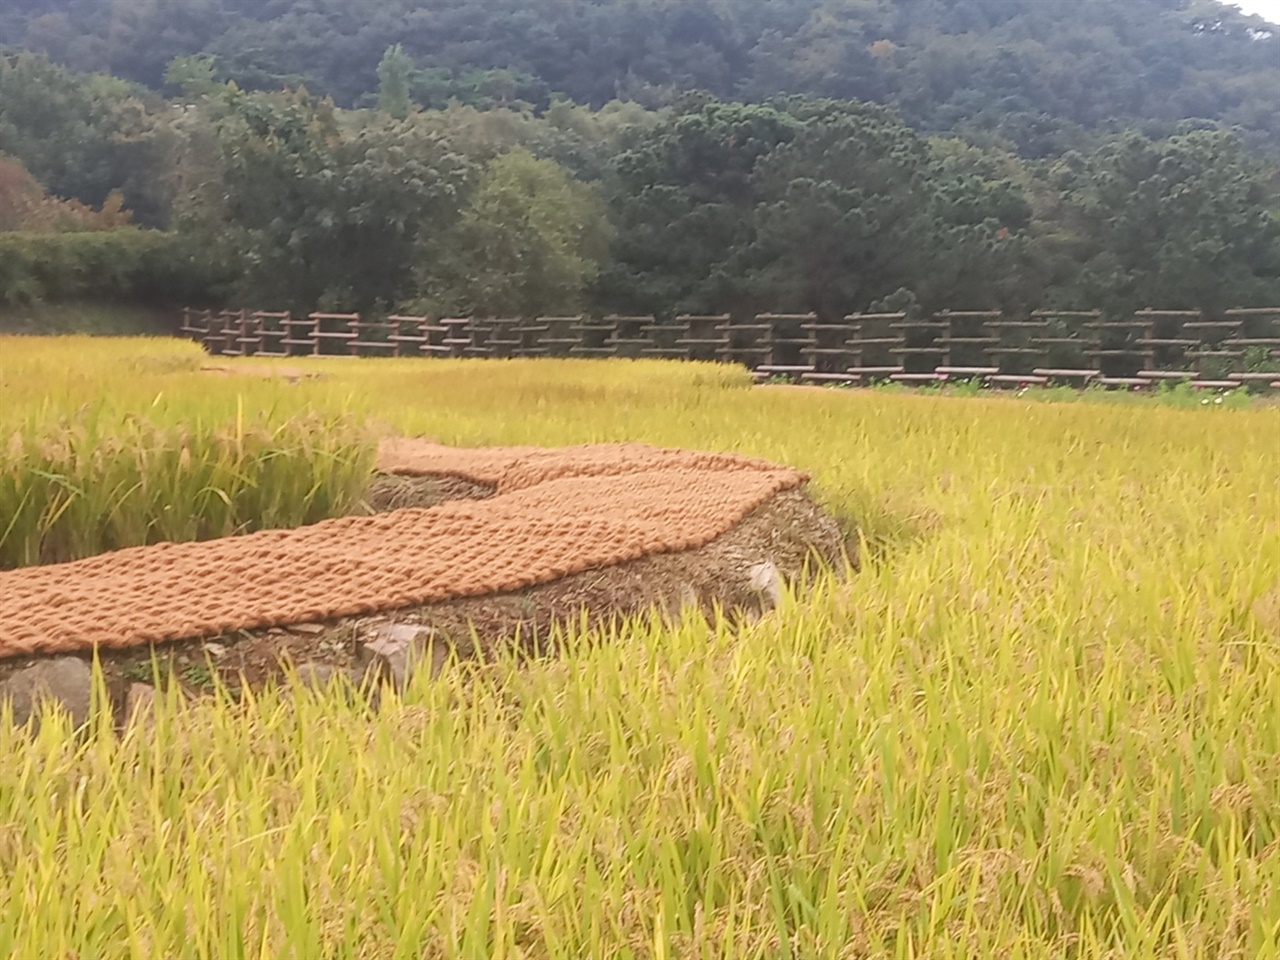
292 374
395 492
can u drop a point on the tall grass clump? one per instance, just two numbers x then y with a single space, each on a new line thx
73 488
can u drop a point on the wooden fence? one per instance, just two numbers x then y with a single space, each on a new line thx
1238 347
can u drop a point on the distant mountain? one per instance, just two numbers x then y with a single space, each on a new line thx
1036 72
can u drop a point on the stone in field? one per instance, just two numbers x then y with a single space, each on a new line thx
318 676
139 703
675 602
67 681
767 581
400 649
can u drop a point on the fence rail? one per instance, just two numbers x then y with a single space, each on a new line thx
1236 348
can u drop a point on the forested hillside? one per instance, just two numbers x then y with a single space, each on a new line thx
1033 70
495 156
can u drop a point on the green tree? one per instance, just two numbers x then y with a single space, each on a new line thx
528 243
845 209
804 205
984 251
195 76
683 204
1188 221
394 70
62 127
324 217
580 139
857 206
85 136
1041 73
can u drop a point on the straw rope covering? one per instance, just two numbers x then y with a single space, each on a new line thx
554 512
514 468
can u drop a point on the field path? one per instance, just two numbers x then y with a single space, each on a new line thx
554 512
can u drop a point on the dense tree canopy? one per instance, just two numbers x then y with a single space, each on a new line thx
1179 220
1034 71
323 218
685 198
529 242
63 128
637 156
804 204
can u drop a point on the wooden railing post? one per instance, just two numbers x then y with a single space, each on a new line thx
1238 347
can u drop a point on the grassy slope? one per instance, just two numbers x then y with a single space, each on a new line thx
1041 724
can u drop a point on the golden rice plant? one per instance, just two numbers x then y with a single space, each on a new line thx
73 488
1039 723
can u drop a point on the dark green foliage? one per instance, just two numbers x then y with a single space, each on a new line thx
1010 153
1184 220
684 203
82 136
1036 72
438 88
326 218
123 265
848 211
62 127
527 243
802 205
394 70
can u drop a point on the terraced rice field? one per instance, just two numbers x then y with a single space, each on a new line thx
1040 722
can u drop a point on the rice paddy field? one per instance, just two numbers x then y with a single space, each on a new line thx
1041 721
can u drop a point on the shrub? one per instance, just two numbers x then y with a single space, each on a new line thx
124 264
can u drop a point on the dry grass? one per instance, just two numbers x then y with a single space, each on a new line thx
1040 723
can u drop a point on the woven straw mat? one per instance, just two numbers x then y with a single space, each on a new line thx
554 512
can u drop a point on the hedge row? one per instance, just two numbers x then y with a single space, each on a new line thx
125 264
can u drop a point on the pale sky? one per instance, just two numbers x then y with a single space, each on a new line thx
1267 9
